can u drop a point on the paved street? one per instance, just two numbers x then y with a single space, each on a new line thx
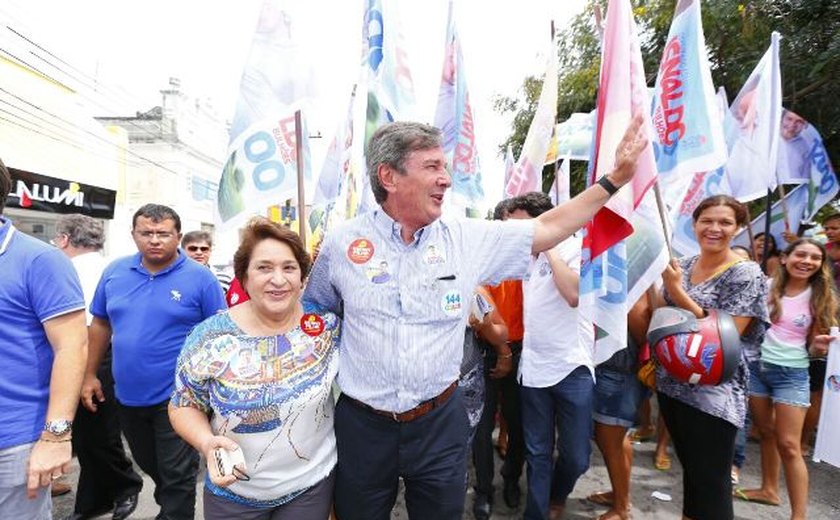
824 496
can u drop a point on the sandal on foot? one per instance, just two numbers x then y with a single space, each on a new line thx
741 494
612 514
662 463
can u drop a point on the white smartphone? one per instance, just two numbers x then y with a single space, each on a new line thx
226 460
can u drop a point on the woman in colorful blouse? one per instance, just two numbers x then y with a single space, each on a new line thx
702 419
258 378
803 307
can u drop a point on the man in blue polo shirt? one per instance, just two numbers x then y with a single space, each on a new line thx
43 344
145 305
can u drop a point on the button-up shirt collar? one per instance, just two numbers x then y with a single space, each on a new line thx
389 227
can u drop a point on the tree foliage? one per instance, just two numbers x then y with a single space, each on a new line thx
737 35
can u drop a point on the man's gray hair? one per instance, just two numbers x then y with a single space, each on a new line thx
391 144
82 231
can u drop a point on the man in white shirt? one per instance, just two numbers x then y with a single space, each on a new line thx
400 414
107 480
556 370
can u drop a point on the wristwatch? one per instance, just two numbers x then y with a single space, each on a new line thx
58 428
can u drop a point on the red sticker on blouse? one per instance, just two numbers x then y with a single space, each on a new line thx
360 251
312 324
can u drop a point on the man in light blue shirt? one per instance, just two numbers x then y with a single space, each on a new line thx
402 278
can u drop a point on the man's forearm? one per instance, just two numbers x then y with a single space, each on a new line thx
496 334
554 226
68 337
561 222
68 371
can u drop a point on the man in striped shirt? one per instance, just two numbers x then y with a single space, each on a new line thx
402 277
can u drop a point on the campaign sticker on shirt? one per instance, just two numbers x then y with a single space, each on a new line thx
378 274
451 303
311 324
432 256
360 251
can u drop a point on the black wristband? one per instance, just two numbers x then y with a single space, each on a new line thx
607 185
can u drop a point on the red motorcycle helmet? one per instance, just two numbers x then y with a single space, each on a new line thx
705 351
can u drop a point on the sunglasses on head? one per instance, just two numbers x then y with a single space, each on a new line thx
193 249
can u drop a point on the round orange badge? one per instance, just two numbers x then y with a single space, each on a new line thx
312 324
360 251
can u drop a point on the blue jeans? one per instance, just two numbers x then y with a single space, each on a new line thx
617 397
784 385
568 404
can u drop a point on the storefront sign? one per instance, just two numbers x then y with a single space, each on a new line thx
42 193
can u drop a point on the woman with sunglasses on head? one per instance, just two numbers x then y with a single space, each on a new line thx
254 384
803 307
704 419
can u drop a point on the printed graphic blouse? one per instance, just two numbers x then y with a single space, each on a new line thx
272 395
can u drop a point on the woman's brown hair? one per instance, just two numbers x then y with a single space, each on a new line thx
259 229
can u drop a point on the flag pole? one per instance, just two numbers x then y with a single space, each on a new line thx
660 205
769 213
300 193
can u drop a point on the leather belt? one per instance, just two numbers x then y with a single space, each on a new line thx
415 413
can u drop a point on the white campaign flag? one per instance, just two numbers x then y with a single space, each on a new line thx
827 447
753 137
261 165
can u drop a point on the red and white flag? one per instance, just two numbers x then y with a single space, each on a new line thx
622 94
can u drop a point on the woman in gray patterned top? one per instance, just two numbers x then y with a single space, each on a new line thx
703 420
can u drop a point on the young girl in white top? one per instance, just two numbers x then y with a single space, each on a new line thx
802 306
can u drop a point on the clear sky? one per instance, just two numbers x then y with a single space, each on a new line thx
137 45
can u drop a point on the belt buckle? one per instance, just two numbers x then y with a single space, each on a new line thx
394 416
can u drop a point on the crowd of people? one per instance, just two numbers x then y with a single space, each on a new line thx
427 326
